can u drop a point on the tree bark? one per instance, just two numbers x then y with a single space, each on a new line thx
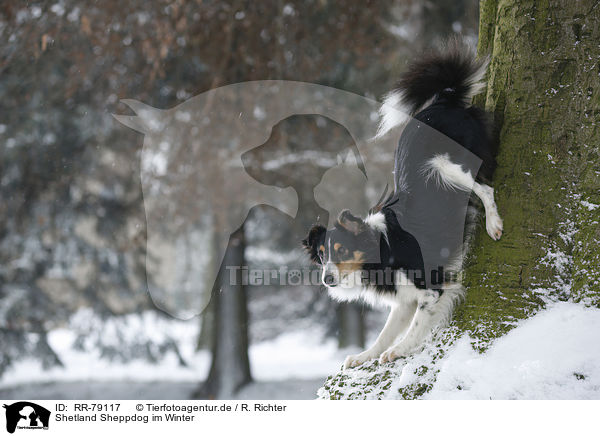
230 367
351 324
543 91
205 338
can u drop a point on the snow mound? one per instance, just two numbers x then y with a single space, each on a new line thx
552 355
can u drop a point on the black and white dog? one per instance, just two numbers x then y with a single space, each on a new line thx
376 259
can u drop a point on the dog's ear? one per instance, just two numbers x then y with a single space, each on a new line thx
351 223
316 237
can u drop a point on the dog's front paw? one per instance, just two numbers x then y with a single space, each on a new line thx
357 359
392 354
493 225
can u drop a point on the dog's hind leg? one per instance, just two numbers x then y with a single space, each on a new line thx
398 320
451 176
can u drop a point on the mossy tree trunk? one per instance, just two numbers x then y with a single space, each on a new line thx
544 93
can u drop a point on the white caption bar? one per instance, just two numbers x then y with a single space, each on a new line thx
197 417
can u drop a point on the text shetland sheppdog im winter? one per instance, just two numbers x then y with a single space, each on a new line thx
375 259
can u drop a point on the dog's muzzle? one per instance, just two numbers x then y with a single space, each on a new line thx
330 275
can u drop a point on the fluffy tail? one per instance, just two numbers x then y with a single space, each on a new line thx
452 73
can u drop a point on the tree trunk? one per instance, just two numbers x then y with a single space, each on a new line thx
205 338
543 91
230 368
351 324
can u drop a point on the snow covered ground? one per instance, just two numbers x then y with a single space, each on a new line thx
553 355
290 356
293 365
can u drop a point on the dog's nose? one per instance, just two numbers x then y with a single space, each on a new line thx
329 280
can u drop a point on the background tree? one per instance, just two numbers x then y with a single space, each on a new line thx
230 367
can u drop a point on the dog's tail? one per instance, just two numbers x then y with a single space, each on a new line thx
452 73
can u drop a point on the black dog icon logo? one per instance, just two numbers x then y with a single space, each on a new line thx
26 415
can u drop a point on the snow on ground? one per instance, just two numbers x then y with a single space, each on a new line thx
296 355
553 355
296 360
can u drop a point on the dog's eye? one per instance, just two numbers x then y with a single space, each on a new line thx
320 253
343 251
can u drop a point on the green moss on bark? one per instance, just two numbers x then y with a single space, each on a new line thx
539 90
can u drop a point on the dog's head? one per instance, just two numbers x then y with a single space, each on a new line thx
344 250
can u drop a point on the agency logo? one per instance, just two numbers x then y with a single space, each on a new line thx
26 415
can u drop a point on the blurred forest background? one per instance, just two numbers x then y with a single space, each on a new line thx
74 303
